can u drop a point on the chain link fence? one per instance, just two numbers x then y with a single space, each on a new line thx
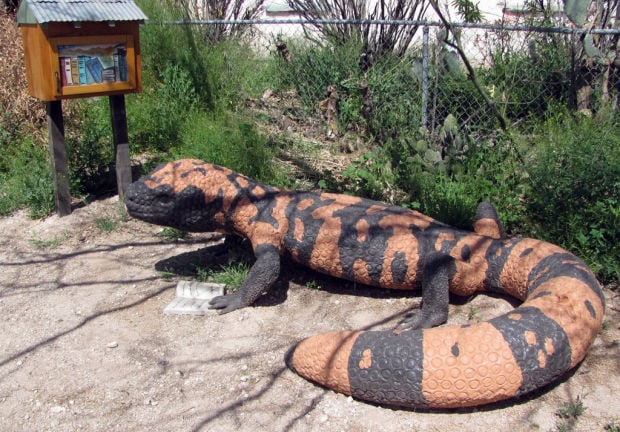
504 74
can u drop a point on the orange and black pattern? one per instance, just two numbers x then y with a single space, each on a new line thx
388 246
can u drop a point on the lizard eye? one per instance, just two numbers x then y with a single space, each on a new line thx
163 196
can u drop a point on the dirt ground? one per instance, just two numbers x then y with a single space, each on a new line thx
86 345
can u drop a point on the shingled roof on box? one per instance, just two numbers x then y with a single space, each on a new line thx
46 11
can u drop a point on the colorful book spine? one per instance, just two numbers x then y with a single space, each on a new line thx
75 74
82 70
122 64
95 68
108 75
67 70
63 77
117 71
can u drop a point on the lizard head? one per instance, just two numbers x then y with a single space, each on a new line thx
176 195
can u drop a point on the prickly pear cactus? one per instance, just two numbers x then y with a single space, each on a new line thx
577 11
444 154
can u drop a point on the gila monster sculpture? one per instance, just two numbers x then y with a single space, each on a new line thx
388 246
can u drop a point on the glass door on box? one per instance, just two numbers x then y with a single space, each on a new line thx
92 64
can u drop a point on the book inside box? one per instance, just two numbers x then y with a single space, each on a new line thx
92 64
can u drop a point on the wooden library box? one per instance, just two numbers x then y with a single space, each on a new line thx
81 49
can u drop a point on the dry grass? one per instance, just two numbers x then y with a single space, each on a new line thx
16 106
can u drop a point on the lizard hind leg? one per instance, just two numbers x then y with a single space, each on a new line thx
487 221
437 272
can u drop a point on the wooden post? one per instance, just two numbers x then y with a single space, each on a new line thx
121 143
58 156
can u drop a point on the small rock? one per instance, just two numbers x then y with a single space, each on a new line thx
57 409
112 344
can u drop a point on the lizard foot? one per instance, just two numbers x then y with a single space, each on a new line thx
226 303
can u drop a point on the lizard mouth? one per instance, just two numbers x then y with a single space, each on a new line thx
151 205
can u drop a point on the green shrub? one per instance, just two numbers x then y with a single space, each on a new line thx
371 176
396 99
574 194
232 141
90 147
313 68
523 96
450 190
457 95
27 181
163 46
447 200
235 72
394 107
156 116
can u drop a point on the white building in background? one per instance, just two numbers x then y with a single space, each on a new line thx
493 11
475 41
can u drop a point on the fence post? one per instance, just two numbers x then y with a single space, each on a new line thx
424 76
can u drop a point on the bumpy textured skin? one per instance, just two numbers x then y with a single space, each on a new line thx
377 244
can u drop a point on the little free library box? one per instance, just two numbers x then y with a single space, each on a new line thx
81 48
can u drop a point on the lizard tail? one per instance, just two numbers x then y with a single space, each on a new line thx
467 365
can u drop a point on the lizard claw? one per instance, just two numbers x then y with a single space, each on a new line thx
411 321
421 320
226 303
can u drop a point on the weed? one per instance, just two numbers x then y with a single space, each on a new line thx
232 275
204 274
472 313
612 427
121 211
49 243
166 275
312 284
173 235
568 412
106 224
572 409
155 118
561 427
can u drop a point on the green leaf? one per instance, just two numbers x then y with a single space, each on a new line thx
589 47
577 11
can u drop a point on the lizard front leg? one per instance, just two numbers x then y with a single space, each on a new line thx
262 275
